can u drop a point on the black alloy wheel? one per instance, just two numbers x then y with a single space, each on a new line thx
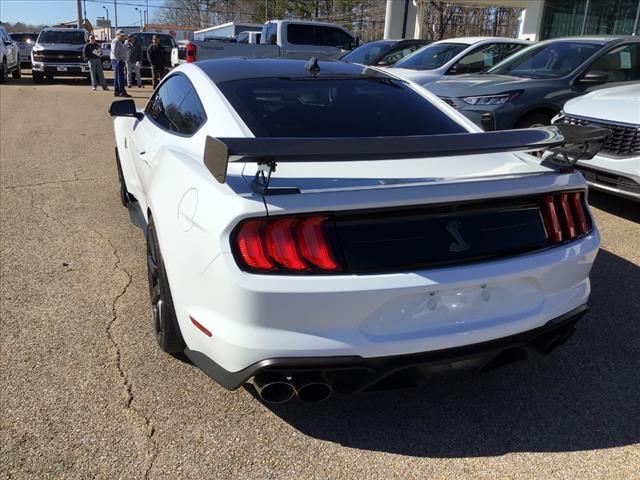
165 322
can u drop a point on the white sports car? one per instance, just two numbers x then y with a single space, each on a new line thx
616 168
320 226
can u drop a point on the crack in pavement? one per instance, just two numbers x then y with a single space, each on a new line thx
75 178
149 427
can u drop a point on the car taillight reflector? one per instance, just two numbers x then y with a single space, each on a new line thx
191 52
285 245
564 216
250 246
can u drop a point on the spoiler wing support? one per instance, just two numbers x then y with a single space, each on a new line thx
567 144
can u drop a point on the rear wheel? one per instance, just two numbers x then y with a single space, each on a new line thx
17 73
164 315
4 73
531 120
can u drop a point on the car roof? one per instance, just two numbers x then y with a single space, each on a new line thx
227 69
63 29
472 40
603 39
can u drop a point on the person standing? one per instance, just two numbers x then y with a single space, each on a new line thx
93 54
118 58
155 55
134 58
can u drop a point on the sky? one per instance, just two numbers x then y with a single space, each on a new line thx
49 12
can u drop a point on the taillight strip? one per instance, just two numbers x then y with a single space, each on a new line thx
551 220
564 216
565 213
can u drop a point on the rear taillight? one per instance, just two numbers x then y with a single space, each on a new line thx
191 52
565 216
285 245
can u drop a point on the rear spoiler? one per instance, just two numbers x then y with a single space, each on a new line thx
568 144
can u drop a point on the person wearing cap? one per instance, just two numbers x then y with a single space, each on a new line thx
118 61
134 59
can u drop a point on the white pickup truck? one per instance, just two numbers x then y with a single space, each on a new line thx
279 38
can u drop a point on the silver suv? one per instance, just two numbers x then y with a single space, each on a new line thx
9 57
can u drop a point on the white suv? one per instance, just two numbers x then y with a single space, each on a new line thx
616 168
9 56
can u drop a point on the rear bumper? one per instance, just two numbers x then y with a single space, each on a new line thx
352 374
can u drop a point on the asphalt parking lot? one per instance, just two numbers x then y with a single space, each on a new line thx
86 393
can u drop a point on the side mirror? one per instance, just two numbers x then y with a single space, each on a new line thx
594 77
125 108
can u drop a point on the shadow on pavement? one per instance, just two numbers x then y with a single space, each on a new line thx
621 207
583 396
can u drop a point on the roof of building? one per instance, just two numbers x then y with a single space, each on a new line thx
167 26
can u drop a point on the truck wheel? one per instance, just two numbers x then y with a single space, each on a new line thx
164 315
4 73
37 77
17 73
106 64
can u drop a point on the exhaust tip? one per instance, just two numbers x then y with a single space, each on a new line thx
273 388
314 392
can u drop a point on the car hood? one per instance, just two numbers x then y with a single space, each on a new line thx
474 84
421 77
618 104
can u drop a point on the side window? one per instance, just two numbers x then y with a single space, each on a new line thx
622 63
397 55
301 34
478 60
509 49
333 37
175 107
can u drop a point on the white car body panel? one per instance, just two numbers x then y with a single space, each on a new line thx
256 317
612 106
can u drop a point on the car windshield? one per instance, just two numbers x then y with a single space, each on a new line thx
431 57
57 36
550 60
145 40
366 53
24 37
336 107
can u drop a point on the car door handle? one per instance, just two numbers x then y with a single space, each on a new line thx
143 156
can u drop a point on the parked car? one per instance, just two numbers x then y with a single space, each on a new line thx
249 37
616 168
25 41
370 256
530 87
383 53
9 56
281 38
106 55
58 53
456 56
144 39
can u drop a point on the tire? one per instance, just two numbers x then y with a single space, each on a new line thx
106 64
534 120
17 73
124 194
4 72
37 77
165 322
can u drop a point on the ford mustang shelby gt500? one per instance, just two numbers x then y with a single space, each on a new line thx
319 226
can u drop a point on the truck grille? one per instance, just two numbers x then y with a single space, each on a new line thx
58 56
624 141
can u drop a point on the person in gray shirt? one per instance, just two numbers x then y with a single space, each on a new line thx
118 61
134 61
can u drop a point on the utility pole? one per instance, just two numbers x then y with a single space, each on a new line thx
115 13
79 7
146 13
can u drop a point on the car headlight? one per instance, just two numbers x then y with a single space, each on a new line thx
497 99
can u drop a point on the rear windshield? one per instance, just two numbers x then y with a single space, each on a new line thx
24 37
145 40
57 36
431 57
352 107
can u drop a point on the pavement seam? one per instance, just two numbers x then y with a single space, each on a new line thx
75 178
149 427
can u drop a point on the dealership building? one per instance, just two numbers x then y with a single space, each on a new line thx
539 19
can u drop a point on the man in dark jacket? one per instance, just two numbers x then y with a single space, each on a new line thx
155 55
133 58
